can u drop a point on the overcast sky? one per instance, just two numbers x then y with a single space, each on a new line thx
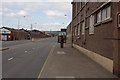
43 14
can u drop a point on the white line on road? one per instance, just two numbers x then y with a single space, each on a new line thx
33 48
61 52
10 59
25 51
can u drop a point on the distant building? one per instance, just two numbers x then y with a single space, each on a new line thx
8 34
96 31
5 34
52 33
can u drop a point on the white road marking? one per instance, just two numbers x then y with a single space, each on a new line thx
25 51
10 59
65 77
61 52
33 48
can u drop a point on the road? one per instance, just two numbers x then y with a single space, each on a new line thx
25 59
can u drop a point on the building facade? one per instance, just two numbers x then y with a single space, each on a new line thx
9 34
5 34
96 31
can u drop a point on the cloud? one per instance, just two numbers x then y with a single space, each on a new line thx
35 6
15 13
22 13
7 10
34 10
11 14
38 0
49 26
1 15
52 24
54 14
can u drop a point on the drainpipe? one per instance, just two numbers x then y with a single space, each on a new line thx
71 35
85 24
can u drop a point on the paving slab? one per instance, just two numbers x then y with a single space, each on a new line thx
68 62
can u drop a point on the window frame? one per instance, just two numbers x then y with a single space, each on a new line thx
100 16
75 30
83 27
78 30
107 12
91 24
107 9
119 20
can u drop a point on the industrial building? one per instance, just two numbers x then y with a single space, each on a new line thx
9 34
95 30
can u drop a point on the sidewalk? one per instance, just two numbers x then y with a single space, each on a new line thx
67 62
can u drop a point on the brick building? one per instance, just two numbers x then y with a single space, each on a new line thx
5 34
69 32
8 34
96 32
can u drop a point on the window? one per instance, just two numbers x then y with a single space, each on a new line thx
78 29
108 10
119 20
3 37
75 30
103 14
99 17
91 25
83 28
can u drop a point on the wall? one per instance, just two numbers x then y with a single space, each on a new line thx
104 41
97 42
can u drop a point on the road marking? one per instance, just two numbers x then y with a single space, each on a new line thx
61 52
53 47
65 77
25 51
33 48
10 59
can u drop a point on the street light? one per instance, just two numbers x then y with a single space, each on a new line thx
19 21
32 26
71 32
19 26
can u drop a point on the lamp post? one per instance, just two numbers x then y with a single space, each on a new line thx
32 26
19 26
19 21
71 33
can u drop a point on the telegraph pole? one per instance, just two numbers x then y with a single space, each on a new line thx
31 27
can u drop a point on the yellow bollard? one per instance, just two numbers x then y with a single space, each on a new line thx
32 39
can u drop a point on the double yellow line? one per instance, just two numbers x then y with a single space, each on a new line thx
53 47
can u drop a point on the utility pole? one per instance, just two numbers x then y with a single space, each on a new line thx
31 27
17 37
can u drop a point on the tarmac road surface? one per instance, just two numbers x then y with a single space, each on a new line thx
25 59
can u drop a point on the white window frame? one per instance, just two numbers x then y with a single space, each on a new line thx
78 29
107 12
118 20
91 25
75 30
83 28
100 17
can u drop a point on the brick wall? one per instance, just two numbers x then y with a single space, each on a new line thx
104 41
